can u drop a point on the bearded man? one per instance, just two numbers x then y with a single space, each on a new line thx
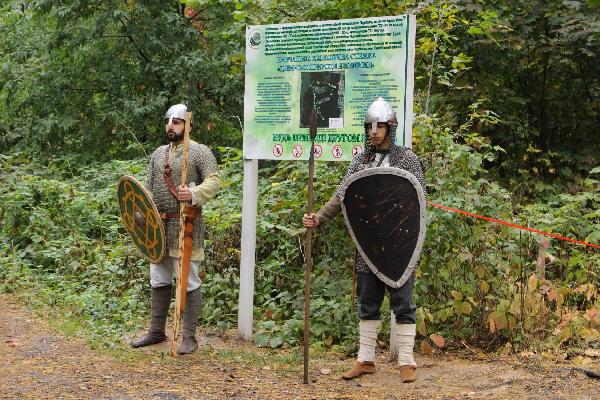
380 151
164 183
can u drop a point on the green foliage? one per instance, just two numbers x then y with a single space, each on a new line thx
94 79
61 244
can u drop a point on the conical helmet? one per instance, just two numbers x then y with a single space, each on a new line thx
380 111
177 111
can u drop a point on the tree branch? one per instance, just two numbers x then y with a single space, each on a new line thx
141 53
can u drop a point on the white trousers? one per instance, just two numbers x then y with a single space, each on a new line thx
163 273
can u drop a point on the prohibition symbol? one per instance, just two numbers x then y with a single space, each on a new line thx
356 149
337 151
318 151
277 150
297 150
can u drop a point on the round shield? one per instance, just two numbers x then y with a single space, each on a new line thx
141 218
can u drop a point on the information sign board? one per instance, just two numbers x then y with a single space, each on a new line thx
337 67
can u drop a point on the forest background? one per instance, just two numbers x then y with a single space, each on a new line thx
507 120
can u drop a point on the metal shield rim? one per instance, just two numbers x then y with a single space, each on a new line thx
412 264
161 226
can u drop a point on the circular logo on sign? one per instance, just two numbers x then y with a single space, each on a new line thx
254 39
277 150
318 151
337 151
297 150
356 149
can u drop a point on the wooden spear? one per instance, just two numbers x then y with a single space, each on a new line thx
308 245
183 262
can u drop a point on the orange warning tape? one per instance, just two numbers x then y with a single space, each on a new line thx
498 221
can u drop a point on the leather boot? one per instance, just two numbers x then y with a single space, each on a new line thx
193 308
408 373
406 341
161 301
360 368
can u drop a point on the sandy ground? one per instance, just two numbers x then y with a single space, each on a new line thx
38 362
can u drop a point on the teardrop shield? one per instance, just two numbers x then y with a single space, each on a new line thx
384 210
141 218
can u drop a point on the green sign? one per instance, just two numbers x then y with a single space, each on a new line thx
337 67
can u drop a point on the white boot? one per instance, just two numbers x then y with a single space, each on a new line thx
406 343
368 330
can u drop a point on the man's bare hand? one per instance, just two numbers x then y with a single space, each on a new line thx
310 221
184 194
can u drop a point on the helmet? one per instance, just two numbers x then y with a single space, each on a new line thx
177 111
380 111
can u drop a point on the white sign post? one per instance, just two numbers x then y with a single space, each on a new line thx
248 255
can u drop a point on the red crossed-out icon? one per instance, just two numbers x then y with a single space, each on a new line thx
297 150
356 149
277 150
318 151
337 151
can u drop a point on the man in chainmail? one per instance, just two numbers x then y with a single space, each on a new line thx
380 151
164 182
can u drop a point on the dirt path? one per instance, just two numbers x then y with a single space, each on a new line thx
37 362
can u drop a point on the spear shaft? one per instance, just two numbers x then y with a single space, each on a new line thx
308 245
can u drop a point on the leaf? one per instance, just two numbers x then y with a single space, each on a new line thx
484 287
275 341
491 324
426 348
328 341
421 328
499 319
269 324
473 30
466 308
565 333
532 283
437 340
457 295
325 371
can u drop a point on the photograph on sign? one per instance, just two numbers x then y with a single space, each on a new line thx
338 68
323 91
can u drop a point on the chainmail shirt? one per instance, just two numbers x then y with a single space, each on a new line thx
201 165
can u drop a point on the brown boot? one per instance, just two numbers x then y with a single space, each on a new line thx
408 373
193 308
360 368
161 301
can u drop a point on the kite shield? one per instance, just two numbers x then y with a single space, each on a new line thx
141 218
384 210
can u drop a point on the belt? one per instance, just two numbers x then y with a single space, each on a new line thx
168 216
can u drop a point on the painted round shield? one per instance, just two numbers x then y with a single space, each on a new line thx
141 218
384 210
